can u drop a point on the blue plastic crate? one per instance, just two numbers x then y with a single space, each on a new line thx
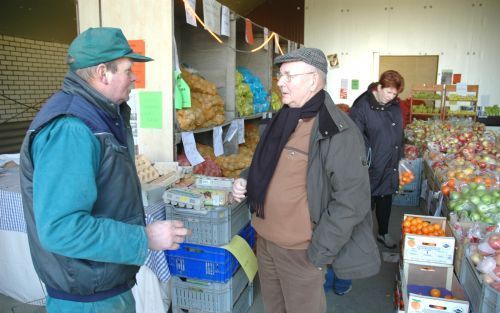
407 198
206 262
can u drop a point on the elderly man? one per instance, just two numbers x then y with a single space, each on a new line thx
309 192
81 194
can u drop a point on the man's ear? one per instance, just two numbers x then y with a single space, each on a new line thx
101 74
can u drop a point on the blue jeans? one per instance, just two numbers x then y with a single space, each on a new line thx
338 285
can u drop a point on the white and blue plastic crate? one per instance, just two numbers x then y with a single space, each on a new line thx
207 263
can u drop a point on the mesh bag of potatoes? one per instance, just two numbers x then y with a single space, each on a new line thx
233 164
207 107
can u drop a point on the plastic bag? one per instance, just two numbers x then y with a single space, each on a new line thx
406 175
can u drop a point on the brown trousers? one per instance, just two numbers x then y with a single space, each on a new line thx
289 282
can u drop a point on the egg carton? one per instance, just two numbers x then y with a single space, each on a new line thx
184 198
145 170
209 182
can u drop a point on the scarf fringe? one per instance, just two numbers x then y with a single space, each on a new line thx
257 208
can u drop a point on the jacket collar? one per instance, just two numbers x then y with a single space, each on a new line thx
331 120
375 105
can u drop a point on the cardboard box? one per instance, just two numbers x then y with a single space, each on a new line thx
431 249
420 303
424 271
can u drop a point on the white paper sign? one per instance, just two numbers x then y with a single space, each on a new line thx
217 140
233 130
266 35
241 130
344 83
276 44
190 150
289 48
462 89
211 15
190 19
133 104
224 25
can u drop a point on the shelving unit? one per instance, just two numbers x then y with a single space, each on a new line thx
218 63
464 103
426 101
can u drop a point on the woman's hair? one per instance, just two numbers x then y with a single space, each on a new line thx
392 79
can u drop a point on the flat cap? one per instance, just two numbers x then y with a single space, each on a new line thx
311 56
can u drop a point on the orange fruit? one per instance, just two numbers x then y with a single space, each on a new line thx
436 293
406 223
449 297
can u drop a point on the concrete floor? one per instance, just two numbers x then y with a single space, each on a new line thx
372 295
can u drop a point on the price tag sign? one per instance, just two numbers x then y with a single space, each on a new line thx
194 157
217 140
241 130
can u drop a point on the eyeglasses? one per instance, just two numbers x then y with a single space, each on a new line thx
288 77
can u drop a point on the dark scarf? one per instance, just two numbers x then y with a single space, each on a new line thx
272 142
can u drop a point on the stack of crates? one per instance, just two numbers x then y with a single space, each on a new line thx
483 298
409 195
208 278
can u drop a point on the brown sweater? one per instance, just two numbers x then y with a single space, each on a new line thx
287 222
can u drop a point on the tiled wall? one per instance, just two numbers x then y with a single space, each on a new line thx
30 72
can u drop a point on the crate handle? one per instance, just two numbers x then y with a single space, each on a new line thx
195 250
437 307
430 244
427 269
191 211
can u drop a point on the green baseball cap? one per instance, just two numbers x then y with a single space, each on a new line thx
100 45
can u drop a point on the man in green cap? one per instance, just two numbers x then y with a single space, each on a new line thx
81 194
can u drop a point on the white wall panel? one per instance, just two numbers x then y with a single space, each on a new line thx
464 33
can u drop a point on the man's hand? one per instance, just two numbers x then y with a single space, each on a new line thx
239 189
166 235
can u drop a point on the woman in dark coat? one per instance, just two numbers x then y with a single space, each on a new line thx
378 115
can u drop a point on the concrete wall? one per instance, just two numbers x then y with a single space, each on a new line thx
465 34
30 72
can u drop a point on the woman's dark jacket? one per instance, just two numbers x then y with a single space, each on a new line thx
382 129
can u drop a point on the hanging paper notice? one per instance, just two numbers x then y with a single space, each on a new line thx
211 15
266 35
190 7
150 109
224 25
289 46
355 84
132 103
217 140
139 68
446 77
244 254
241 130
248 32
276 44
232 130
457 78
344 83
343 93
462 89
182 92
189 144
